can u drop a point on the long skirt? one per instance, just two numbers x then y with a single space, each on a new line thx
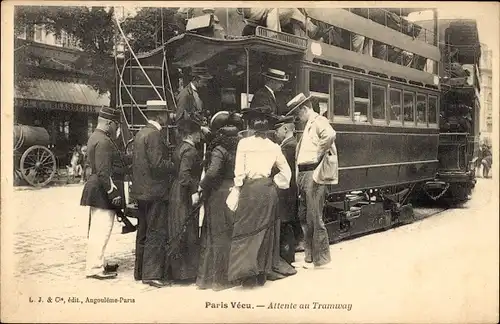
253 234
183 244
216 233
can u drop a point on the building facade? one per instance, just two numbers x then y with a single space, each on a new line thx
486 94
51 91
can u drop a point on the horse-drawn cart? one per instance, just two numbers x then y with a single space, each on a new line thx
33 160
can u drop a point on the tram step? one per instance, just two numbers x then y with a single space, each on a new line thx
372 217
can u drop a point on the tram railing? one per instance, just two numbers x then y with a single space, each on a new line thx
286 38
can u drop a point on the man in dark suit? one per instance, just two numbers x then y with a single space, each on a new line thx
151 180
189 103
103 192
266 96
291 231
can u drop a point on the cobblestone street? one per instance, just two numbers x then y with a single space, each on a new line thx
440 268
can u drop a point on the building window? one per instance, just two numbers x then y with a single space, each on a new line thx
489 97
39 34
64 129
378 106
432 110
421 109
361 100
395 107
319 86
342 99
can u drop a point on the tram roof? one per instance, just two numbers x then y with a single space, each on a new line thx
191 49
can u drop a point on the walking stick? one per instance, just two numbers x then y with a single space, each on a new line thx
202 206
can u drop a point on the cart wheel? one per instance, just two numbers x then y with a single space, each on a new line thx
38 165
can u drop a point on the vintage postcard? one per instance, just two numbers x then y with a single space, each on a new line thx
205 162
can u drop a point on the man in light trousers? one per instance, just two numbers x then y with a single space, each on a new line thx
317 166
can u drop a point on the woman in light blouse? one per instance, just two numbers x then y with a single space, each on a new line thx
252 242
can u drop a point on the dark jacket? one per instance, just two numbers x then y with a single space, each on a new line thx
186 105
264 98
107 172
187 161
152 170
288 197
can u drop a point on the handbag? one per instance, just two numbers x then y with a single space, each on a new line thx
232 199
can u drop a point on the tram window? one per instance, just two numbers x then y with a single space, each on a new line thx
341 98
319 88
409 107
361 100
421 108
378 106
432 110
395 108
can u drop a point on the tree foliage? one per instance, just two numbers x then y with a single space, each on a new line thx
93 27
95 30
145 29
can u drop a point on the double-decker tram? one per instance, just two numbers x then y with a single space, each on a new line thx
459 113
371 72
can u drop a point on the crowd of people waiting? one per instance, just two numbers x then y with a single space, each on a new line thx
259 192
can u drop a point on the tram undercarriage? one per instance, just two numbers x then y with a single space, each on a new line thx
349 215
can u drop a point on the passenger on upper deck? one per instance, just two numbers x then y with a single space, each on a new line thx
277 19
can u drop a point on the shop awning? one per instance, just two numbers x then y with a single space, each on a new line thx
59 95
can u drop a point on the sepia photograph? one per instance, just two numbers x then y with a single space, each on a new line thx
243 162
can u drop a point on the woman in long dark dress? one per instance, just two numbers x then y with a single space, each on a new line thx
183 243
217 227
252 244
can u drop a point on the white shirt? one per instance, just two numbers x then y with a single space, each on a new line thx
317 138
255 158
272 92
155 124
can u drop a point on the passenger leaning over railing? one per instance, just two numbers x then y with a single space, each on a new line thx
277 19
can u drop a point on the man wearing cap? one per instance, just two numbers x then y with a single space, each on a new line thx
103 192
189 103
266 96
317 166
152 171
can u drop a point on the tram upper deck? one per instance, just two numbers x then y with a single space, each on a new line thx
386 104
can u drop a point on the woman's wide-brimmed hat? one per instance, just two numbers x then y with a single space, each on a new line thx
225 119
201 72
276 74
260 112
296 102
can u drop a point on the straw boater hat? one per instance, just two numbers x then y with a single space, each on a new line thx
156 105
276 75
110 114
296 102
201 72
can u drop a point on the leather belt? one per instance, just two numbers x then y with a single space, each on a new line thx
308 167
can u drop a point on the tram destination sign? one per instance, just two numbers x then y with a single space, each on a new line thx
53 105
